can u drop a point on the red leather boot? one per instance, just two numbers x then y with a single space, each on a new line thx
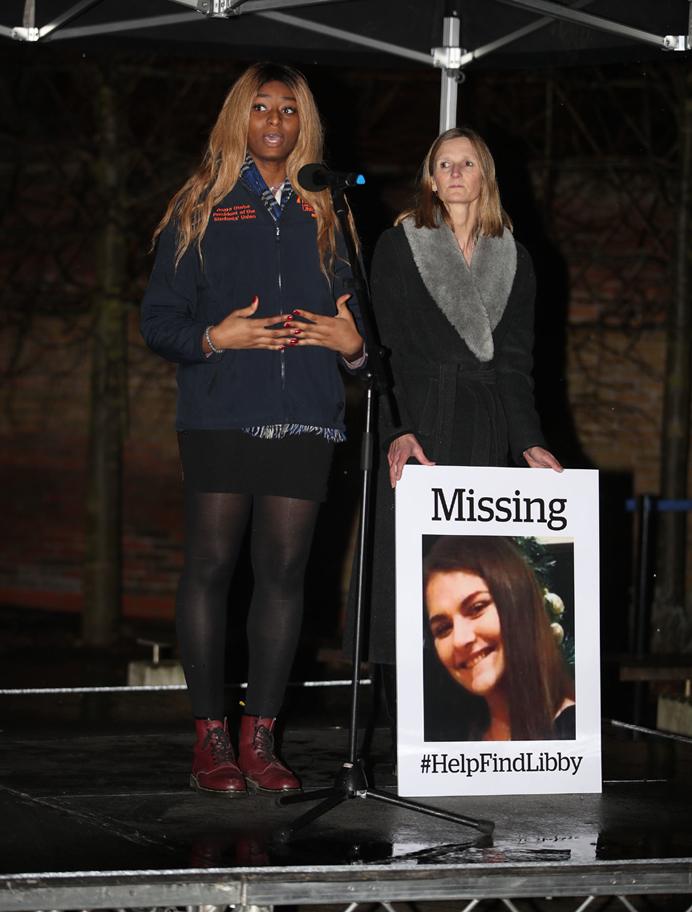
256 758
213 763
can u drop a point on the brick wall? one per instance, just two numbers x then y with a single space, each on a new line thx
614 387
600 232
43 419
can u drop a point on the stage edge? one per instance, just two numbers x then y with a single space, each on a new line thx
340 885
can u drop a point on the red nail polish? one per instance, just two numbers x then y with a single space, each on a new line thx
296 311
292 341
296 332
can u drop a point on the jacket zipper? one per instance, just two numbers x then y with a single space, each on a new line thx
282 354
212 380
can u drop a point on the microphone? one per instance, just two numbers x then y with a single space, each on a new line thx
317 176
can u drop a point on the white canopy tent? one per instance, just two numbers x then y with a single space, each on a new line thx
347 30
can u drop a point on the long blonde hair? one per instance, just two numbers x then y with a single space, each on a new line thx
428 210
220 167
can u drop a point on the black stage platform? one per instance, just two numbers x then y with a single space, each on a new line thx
104 819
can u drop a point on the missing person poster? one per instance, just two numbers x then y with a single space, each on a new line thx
498 687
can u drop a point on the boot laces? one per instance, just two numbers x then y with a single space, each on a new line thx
219 743
264 743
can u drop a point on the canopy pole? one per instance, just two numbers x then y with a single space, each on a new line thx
29 18
449 57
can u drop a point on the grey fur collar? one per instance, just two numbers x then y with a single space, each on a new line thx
473 298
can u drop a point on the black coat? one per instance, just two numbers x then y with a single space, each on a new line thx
462 410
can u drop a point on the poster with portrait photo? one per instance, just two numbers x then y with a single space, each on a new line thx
497 631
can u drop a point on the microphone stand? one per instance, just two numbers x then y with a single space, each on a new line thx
351 780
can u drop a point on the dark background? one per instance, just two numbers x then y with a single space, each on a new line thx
588 150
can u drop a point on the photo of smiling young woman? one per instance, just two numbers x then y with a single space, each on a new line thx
496 643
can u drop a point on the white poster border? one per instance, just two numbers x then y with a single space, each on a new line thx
439 768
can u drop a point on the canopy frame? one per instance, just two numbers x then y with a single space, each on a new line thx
450 57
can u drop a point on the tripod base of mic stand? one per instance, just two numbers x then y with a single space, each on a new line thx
351 782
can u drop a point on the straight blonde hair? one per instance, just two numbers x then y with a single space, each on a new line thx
219 169
429 211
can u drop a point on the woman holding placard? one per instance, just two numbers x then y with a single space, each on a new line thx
453 295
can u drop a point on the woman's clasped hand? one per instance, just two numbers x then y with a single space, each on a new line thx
243 329
338 333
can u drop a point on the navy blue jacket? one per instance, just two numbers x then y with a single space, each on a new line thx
245 253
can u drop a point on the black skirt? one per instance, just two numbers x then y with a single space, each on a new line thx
233 462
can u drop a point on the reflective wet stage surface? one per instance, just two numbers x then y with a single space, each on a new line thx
118 801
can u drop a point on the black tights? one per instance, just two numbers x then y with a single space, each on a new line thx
281 535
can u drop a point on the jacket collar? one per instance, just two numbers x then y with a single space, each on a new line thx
473 298
255 183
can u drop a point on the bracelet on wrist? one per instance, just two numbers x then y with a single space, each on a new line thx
217 351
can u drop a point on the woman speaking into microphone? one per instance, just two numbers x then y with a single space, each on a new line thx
249 295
